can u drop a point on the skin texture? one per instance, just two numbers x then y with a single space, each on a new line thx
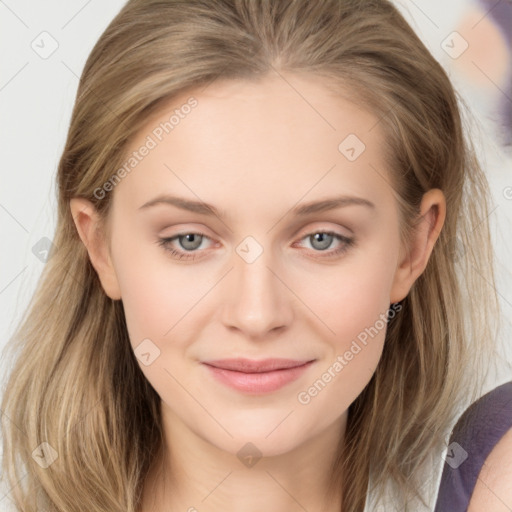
256 150
493 489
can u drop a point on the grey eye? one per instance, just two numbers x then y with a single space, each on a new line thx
191 241
322 240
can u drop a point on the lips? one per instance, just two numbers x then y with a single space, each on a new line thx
253 366
256 377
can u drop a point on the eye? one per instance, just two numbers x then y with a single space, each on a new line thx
322 240
189 241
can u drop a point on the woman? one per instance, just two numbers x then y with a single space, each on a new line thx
263 292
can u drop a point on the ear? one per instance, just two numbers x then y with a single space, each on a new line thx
413 262
89 227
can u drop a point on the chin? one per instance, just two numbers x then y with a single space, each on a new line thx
261 438
249 448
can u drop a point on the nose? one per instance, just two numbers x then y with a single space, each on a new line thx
259 301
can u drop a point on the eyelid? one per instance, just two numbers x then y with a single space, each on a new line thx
320 227
299 234
345 241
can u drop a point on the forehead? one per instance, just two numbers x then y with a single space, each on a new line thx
282 138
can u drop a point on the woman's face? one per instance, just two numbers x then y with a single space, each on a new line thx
279 162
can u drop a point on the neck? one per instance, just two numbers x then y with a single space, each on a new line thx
192 475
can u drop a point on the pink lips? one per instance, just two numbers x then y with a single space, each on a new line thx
257 376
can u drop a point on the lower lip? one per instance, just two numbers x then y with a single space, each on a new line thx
264 382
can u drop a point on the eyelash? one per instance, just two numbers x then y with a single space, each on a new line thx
190 255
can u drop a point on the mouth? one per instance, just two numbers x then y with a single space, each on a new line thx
256 377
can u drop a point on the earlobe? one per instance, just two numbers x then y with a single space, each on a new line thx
415 257
88 225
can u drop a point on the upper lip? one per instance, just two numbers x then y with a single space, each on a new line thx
255 366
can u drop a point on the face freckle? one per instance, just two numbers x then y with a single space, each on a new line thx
261 282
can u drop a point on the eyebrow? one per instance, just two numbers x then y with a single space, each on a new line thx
301 210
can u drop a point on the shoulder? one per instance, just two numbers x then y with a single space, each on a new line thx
490 412
493 489
479 456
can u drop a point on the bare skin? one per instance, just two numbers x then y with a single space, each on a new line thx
493 489
256 151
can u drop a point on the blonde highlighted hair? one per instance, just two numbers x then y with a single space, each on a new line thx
74 382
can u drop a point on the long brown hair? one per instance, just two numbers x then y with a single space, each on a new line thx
71 352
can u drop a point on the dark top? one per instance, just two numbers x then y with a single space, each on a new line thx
474 436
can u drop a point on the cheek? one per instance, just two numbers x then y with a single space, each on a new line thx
158 301
353 306
339 309
352 296
354 350
155 292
